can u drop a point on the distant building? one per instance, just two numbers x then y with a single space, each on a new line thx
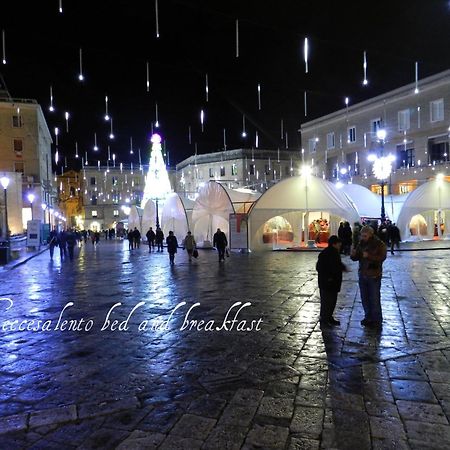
70 197
25 148
251 168
417 134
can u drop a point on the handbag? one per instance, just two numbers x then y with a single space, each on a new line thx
227 252
195 253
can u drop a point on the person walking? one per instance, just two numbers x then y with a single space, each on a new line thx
370 252
62 241
189 244
71 242
329 268
172 246
347 238
159 238
394 237
220 242
151 239
130 239
341 234
356 234
52 241
136 238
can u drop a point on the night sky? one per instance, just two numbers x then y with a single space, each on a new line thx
198 37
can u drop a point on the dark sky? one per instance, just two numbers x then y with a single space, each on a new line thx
198 37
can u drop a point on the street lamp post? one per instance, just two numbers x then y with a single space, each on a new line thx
5 183
382 168
157 213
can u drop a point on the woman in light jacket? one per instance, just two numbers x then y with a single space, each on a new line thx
189 244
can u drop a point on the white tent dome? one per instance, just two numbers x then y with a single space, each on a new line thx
431 197
243 199
212 209
294 199
365 201
148 217
173 217
135 218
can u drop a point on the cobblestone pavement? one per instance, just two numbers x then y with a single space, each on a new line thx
287 386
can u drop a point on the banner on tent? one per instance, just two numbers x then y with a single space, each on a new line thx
238 231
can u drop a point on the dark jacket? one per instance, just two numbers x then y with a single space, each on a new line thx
372 266
172 244
136 235
150 235
159 236
220 240
329 267
394 233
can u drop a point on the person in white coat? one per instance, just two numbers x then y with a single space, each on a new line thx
189 244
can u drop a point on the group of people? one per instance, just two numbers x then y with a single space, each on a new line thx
370 251
66 240
155 238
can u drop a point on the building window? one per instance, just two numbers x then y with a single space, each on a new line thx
330 140
267 169
114 181
406 155
93 181
18 146
116 213
438 150
351 134
312 145
200 174
19 167
222 171
17 121
137 182
287 170
352 163
405 188
211 172
234 169
137 195
437 110
115 197
404 120
94 213
93 199
252 169
375 125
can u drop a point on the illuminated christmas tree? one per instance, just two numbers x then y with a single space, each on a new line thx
157 184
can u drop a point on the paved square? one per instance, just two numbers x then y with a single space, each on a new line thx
80 370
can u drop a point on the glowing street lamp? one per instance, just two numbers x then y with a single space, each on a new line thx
31 197
382 168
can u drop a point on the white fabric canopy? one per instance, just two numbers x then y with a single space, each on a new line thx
242 199
425 200
393 204
173 217
365 201
211 211
148 218
135 218
294 198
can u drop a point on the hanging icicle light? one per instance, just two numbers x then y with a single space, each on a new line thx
4 47
282 129
202 119
286 140
148 77
189 135
56 135
237 38
109 153
305 104
111 134
114 159
66 116
51 107
256 140
224 139
244 132
60 6
131 146
157 18
305 53
365 81
95 142
207 88
259 96
80 75
416 90
76 150
106 108
85 158
156 116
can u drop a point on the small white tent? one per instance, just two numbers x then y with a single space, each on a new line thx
243 199
211 211
365 201
135 218
173 217
295 198
148 218
432 201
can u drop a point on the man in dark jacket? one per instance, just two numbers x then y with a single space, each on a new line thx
159 237
151 239
172 246
220 242
136 238
329 267
370 252
394 237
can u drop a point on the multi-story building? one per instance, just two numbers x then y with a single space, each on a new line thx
416 120
250 168
70 197
25 148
